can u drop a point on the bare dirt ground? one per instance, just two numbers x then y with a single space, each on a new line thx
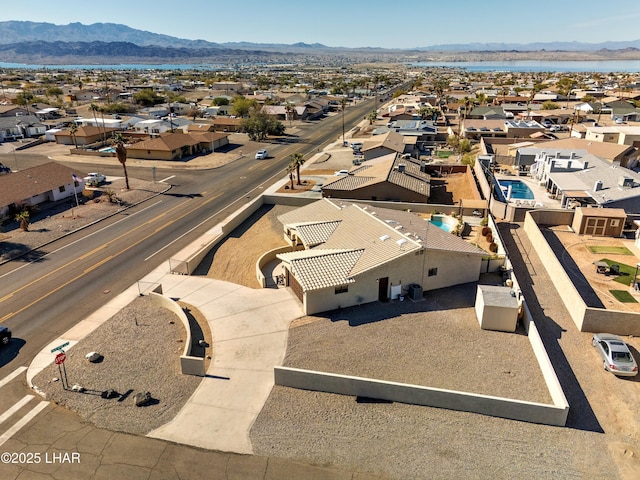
234 259
578 261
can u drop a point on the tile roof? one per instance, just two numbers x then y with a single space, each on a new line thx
315 233
322 269
362 238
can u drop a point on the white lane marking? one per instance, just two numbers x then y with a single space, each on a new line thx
18 405
165 179
22 422
81 239
11 376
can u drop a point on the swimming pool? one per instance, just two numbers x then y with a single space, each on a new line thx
444 222
108 150
519 189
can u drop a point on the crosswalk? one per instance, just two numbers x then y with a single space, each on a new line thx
14 418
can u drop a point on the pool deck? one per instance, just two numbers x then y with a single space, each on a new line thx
541 199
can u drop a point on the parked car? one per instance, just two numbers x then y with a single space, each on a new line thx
341 172
94 179
262 154
616 357
357 145
619 121
5 335
546 123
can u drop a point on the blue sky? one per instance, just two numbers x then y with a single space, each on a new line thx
353 23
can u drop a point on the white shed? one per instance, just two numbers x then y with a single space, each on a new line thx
497 308
50 135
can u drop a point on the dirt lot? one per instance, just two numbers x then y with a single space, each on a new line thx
234 259
579 262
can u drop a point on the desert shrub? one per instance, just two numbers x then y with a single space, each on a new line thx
489 238
493 247
486 231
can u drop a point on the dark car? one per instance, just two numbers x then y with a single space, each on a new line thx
5 335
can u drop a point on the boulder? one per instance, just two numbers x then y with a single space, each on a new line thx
93 357
142 399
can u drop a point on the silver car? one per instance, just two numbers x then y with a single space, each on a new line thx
616 357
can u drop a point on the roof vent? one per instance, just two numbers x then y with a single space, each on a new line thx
384 237
402 241
401 167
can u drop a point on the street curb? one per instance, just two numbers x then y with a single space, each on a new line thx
2 262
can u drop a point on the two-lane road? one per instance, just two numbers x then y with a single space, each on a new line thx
81 272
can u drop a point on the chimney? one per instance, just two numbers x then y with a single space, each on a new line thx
557 154
401 167
585 165
598 186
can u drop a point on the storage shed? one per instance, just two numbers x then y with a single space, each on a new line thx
599 222
497 308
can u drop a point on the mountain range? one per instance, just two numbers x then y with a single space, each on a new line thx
39 41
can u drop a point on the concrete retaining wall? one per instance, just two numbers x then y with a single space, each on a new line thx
266 258
418 395
586 319
189 365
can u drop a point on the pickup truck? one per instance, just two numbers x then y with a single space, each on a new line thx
94 179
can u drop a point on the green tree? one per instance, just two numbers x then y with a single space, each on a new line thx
464 146
121 153
258 125
219 101
373 115
54 92
549 105
296 161
147 98
242 106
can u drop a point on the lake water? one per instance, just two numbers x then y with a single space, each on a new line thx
603 66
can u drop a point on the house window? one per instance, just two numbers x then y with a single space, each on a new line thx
433 272
342 289
62 188
614 223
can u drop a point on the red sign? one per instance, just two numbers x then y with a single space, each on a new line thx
60 358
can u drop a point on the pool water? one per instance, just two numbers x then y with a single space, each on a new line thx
441 223
108 150
519 190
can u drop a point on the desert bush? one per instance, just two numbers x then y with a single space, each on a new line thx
493 247
486 231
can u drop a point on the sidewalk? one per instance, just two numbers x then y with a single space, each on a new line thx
249 329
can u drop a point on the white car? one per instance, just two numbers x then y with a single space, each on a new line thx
615 354
262 154
94 179
341 172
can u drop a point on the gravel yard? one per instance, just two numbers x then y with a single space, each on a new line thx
141 346
55 220
435 343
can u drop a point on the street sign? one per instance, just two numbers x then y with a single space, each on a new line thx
60 347
60 358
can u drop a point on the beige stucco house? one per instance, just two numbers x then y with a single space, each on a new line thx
347 254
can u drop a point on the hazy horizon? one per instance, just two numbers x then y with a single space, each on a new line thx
355 24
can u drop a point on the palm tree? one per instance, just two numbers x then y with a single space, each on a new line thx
94 108
121 153
290 170
289 108
73 129
104 127
343 105
296 161
23 217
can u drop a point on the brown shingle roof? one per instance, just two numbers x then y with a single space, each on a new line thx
27 183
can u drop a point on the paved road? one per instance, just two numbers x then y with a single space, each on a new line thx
39 301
